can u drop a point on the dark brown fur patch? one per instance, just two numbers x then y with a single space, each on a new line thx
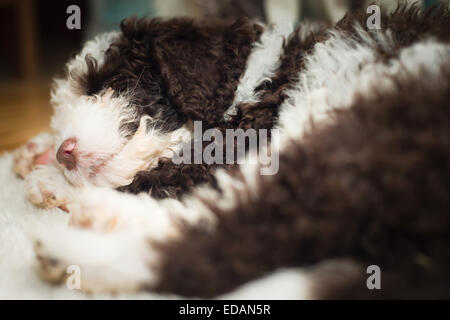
169 180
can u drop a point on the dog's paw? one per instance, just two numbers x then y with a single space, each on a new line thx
47 188
103 263
37 151
94 210
49 268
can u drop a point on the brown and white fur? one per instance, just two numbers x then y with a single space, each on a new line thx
364 152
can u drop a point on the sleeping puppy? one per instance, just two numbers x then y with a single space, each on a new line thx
363 123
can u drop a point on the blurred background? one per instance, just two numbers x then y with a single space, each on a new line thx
35 42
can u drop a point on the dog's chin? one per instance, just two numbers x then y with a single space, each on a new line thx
75 177
103 175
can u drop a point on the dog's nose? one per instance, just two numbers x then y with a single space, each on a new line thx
65 154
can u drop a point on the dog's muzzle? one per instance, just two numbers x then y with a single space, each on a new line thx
66 154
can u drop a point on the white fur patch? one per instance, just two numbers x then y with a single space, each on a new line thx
283 284
95 124
63 89
262 64
142 152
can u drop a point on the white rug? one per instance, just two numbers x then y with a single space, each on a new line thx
19 220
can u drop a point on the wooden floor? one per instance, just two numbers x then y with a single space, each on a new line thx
24 112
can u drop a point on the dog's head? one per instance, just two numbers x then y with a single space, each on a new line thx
128 97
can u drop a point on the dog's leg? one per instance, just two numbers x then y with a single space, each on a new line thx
114 262
105 210
128 258
37 151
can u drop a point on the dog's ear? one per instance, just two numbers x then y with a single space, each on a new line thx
199 63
